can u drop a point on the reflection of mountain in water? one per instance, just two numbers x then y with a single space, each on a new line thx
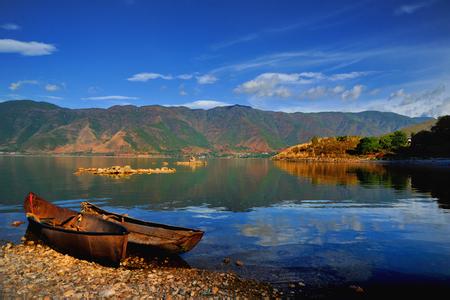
233 184
422 179
329 173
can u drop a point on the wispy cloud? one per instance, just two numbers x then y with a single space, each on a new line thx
322 91
10 26
206 79
205 104
52 87
246 38
182 91
51 97
308 23
433 102
115 97
26 48
201 79
143 77
408 9
17 85
185 76
337 58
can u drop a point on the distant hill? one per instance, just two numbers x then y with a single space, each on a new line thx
39 127
415 128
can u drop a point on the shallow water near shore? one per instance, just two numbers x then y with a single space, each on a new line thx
322 224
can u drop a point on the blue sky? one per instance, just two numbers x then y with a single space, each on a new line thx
273 55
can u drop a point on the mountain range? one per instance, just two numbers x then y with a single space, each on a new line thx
40 127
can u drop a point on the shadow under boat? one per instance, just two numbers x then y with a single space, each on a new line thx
137 257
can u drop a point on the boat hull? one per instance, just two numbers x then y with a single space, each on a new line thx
155 236
97 239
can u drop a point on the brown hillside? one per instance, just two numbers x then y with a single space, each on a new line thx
321 148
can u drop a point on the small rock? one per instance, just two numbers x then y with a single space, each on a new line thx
215 290
239 263
357 288
291 285
226 260
68 293
107 293
17 223
301 283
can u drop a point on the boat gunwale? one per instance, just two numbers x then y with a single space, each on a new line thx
141 222
56 228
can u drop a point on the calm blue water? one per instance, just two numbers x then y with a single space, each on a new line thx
321 223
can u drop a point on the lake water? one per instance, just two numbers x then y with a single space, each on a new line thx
322 223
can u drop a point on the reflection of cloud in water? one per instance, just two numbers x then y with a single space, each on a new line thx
204 209
269 235
276 227
215 217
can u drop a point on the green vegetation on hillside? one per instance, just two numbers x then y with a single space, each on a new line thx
392 142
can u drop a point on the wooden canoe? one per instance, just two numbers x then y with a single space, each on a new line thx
78 234
160 237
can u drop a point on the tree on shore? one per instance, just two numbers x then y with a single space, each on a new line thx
435 142
388 143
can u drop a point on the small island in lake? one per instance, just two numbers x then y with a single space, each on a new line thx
192 162
124 171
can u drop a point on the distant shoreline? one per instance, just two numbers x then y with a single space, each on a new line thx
435 161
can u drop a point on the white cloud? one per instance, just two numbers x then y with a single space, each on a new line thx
52 97
185 76
322 91
353 93
10 26
315 92
201 79
110 98
435 102
51 87
26 48
338 89
408 9
17 85
205 104
274 84
143 77
346 76
206 79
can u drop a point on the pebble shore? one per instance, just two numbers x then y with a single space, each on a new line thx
33 270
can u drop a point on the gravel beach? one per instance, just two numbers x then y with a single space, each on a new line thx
33 270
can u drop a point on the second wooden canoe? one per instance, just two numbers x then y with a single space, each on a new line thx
166 238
